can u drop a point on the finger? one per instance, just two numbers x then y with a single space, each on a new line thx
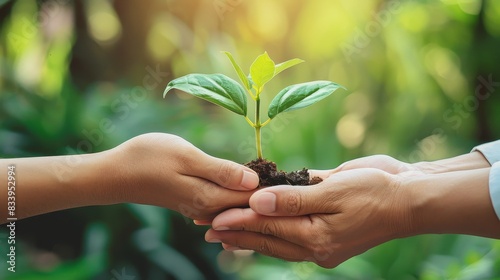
202 222
292 200
264 244
382 162
293 229
228 247
204 199
226 173
323 174
194 162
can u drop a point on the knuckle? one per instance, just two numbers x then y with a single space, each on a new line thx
322 255
225 172
206 197
322 246
294 203
320 250
185 151
270 229
188 211
267 248
185 155
200 202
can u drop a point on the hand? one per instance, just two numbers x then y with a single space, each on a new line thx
167 171
357 208
381 162
470 161
156 169
328 223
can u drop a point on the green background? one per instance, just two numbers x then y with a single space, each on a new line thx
423 84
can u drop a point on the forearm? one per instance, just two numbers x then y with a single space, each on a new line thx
460 205
47 184
470 161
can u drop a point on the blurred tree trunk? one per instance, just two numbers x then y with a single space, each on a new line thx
483 71
5 11
124 59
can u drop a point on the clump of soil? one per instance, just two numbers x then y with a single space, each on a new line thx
269 175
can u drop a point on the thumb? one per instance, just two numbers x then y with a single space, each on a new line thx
289 200
225 173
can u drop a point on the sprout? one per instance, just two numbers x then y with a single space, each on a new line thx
226 92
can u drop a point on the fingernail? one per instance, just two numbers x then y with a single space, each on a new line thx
213 240
265 203
250 180
221 228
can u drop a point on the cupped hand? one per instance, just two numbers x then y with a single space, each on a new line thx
166 170
381 162
360 204
346 214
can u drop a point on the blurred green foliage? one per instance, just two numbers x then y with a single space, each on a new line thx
423 82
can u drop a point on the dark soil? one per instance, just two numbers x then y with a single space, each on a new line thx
270 175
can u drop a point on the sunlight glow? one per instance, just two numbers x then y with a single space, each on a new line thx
351 131
443 64
414 18
268 19
471 7
163 39
492 20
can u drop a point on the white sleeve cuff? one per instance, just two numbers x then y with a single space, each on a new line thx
495 187
491 151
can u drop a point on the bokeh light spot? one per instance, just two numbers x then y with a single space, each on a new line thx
104 25
414 18
163 39
351 131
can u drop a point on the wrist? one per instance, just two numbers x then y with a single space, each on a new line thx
95 179
470 161
454 202
116 177
130 168
405 201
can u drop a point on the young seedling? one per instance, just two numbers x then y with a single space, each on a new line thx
226 92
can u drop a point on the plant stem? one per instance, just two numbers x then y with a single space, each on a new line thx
257 127
249 122
257 142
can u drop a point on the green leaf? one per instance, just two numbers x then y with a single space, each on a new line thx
239 71
300 96
287 64
262 70
216 88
